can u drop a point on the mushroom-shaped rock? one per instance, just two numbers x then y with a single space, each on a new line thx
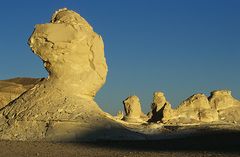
72 53
132 107
58 106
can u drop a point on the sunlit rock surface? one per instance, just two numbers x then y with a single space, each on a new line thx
62 107
133 109
195 109
227 106
220 106
72 53
158 105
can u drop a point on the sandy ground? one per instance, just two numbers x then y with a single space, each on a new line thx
221 143
42 149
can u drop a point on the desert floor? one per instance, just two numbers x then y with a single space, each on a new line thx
208 144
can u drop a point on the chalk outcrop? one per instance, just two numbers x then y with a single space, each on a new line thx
227 106
158 105
72 53
220 106
59 105
195 109
132 107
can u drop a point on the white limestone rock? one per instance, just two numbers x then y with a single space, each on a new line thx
227 106
132 107
158 105
195 109
73 54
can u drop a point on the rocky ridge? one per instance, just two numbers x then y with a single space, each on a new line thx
220 106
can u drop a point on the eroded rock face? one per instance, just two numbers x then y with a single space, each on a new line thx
195 109
73 54
132 108
222 99
220 106
158 105
227 106
159 101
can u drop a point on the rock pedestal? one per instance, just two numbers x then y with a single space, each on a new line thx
132 107
73 54
158 105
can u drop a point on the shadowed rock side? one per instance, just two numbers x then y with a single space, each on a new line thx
158 105
62 107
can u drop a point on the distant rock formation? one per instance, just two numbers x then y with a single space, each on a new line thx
226 105
195 109
13 88
158 105
133 109
120 115
220 106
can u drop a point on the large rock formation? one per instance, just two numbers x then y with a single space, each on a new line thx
62 106
72 53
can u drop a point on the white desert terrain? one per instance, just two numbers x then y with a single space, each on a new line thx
61 107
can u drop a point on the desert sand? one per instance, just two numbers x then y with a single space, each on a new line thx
206 145
35 112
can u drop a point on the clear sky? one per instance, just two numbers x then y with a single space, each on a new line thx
180 47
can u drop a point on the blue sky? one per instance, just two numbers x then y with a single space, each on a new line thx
180 47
